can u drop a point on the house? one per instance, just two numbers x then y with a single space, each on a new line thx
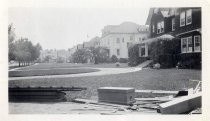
118 38
180 25
94 42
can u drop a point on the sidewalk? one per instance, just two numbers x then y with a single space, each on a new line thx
103 71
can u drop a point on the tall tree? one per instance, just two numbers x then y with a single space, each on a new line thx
11 39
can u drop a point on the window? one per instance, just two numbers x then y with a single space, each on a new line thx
118 40
197 43
188 16
173 24
182 19
142 51
160 27
189 44
153 28
184 45
118 51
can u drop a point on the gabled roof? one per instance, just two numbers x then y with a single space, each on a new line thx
165 12
125 27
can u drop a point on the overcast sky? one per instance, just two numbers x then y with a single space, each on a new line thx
62 28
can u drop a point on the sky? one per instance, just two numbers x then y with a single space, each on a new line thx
63 28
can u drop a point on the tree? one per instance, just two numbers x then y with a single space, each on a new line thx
92 54
11 39
79 56
100 54
25 51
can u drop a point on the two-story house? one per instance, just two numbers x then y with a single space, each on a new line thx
179 24
188 30
118 38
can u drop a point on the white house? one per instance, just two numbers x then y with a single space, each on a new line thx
118 38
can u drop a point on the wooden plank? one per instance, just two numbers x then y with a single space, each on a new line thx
181 104
165 98
78 100
156 91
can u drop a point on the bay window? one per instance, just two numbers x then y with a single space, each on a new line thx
189 44
184 45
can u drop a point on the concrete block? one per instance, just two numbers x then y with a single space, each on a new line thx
118 95
181 104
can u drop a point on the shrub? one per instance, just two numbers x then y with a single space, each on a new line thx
134 58
123 60
165 52
114 59
190 60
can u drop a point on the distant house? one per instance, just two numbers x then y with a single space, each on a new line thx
179 24
118 38
94 42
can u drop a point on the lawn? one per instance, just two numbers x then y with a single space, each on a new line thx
53 71
70 65
163 79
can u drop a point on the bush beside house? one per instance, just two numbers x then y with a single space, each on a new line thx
165 52
190 60
133 54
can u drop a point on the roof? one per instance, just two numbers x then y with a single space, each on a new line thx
166 12
125 27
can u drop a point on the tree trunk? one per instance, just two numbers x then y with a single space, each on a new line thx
19 63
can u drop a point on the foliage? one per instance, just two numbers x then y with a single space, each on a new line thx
133 54
79 56
190 61
11 39
165 52
123 60
92 54
47 58
114 59
100 54
22 50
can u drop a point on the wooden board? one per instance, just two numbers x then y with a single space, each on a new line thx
181 104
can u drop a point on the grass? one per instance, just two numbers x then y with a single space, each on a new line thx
163 79
70 65
42 72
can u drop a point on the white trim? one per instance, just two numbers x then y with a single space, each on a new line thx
182 18
188 44
199 42
188 23
182 45
199 30
161 26
172 22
